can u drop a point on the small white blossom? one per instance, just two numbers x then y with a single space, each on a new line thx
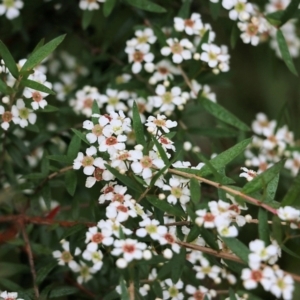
11 8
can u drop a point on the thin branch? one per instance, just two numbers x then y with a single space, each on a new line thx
51 176
225 188
131 290
144 194
31 261
81 287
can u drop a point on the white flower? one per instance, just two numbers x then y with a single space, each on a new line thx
112 144
11 8
293 163
9 296
160 122
197 292
283 286
94 256
206 270
143 37
181 50
144 166
85 272
65 257
95 237
113 99
288 213
239 9
248 174
164 71
90 4
96 129
8 116
129 248
138 55
169 238
152 228
37 96
120 211
205 91
171 290
178 191
275 5
190 26
25 115
263 126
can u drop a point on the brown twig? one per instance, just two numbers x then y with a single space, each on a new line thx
225 188
131 290
30 259
81 287
51 176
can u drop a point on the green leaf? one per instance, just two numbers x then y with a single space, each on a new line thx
238 248
40 54
8 269
43 272
161 37
47 109
37 86
60 158
45 164
261 180
285 53
147 5
288 251
161 151
178 265
263 226
81 135
46 193
62 291
289 12
223 114
39 45
124 290
232 294
164 206
74 147
34 176
3 87
234 36
138 126
108 7
215 9
193 234
272 187
275 17
87 18
10 285
225 157
293 193
32 127
125 179
195 191
8 60
204 40
184 11
71 231
71 182
212 132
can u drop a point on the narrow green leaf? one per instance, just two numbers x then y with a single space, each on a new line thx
74 147
71 231
46 193
37 86
238 248
125 179
34 176
138 126
195 191
178 265
147 5
62 291
263 226
161 151
161 37
232 294
39 45
262 179
124 290
275 17
40 54
71 182
272 187
234 36
212 132
289 251
225 157
43 272
10 285
87 18
193 234
223 114
108 7
80 135
184 11
204 40
293 193
164 206
289 12
32 127
48 109
8 60
8 269
285 53
3 87
209 238
60 158
215 9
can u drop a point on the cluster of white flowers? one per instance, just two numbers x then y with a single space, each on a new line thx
270 144
18 112
90 4
272 278
256 28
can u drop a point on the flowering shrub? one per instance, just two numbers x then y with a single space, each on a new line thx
105 191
